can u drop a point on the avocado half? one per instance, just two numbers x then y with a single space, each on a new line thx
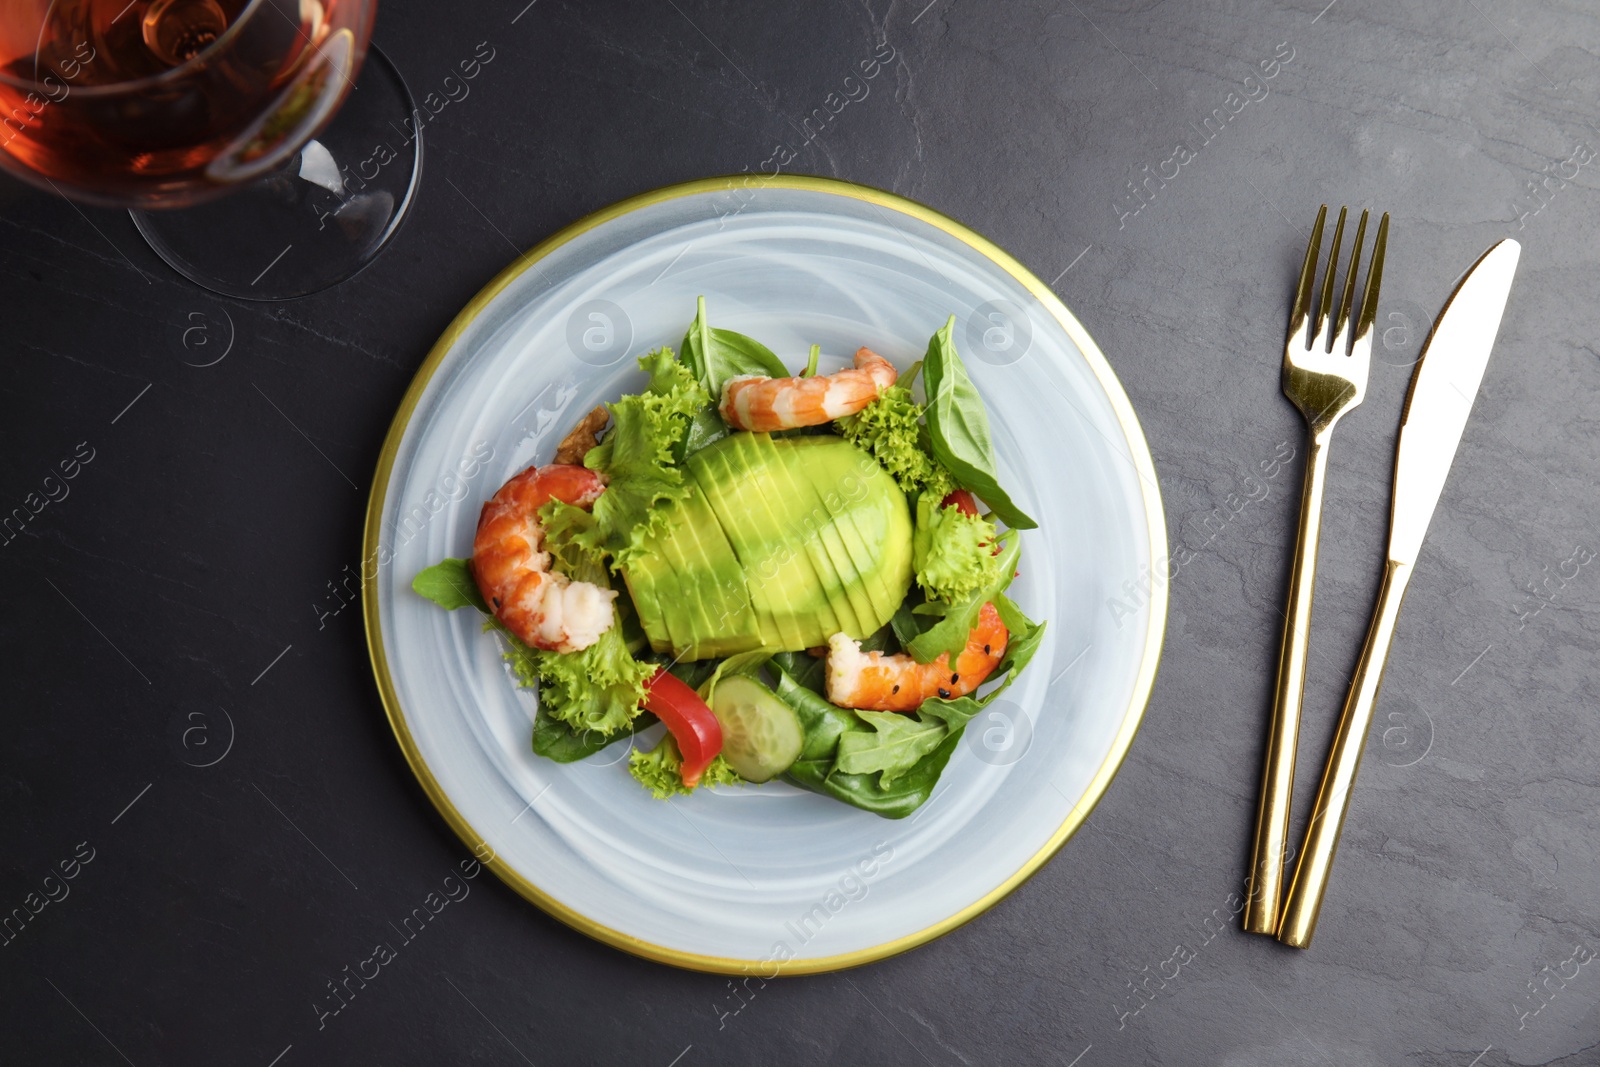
780 544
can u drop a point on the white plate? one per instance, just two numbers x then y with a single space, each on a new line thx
768 878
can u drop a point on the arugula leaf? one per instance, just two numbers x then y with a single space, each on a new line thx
450 584
952 552
713 356
958 428
1026 637
949 634
897 742
824 726
887 762
822 722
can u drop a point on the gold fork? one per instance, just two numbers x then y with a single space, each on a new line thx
1325 375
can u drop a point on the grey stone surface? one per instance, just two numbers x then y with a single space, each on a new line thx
195 542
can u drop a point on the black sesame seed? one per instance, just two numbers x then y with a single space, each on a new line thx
954 678
496 601
986 651
944 692
896 689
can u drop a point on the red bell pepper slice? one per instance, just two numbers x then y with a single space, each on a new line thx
963 500
690 721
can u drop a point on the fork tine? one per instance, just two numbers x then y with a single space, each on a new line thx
1343 318
1300 314
1369 299
1324 334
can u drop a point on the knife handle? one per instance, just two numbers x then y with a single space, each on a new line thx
1265 898
1333 796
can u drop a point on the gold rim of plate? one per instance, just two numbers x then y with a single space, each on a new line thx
1138 450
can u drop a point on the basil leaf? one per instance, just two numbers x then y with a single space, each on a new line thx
450 584
714 356
958 428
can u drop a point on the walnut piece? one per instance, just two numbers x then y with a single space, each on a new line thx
583 437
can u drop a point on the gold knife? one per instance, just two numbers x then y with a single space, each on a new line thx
1442 391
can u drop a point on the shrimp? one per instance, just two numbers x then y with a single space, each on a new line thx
877 682
756 402
544 608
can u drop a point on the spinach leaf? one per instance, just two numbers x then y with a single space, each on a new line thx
949 634
908 792
450 584
691 673
821 722
559 741
803 669
958 428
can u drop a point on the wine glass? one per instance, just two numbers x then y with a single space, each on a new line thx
169 104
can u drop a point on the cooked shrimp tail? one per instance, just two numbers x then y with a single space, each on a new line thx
544 608
877 682
754 402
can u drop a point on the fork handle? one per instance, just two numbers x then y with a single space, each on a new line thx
1333 796
1265 898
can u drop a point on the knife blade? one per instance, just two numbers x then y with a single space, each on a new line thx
1442 390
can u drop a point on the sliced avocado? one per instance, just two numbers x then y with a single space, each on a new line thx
644 580
820 619
826 466
873 525
780 582
784 543
834 568
692 575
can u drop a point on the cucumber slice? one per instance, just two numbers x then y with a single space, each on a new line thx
761 735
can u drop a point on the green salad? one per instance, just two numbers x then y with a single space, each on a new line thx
803 576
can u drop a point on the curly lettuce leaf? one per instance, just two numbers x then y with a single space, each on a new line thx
890 430
594 693
956 619
952 552
958 428
599 690
659 771
639 459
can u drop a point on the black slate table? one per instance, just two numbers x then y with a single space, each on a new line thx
1138 157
